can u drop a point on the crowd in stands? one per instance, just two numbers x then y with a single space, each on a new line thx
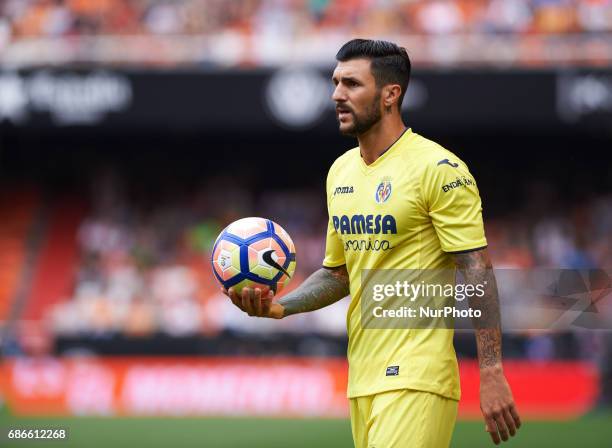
144 266
256 31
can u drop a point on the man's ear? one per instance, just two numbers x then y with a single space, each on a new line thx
391 94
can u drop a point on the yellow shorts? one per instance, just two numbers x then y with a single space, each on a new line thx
403 419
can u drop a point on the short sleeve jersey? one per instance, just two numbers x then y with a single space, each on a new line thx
410 209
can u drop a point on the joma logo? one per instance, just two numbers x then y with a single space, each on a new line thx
343 190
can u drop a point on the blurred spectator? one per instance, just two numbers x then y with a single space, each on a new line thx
508 16
440 17
595 15
555 16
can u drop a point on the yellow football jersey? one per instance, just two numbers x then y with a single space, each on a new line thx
411 207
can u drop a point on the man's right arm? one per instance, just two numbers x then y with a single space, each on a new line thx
322 288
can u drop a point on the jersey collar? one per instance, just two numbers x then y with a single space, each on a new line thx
386 153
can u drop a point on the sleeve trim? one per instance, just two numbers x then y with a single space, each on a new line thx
333 265
465 251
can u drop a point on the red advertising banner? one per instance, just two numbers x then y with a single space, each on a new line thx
176 386
287 387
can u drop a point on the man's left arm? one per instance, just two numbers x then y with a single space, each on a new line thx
496 401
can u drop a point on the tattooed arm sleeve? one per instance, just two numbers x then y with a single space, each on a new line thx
477 269
322 288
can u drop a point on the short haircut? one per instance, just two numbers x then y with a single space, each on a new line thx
390 63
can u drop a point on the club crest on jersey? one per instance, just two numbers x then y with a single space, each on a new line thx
383 191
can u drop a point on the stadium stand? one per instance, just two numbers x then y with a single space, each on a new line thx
247 32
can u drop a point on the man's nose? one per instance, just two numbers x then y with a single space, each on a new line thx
339 94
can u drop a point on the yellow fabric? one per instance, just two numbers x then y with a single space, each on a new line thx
403 418
407 210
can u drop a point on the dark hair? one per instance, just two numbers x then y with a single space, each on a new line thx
390 63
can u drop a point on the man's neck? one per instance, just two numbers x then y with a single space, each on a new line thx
379 138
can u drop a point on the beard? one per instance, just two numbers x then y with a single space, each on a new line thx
363 122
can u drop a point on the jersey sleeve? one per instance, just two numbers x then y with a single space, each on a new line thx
453 204
334 253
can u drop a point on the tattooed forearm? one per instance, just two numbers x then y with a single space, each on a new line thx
477 269
489 347
322 288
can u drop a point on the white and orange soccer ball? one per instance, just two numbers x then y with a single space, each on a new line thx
253 252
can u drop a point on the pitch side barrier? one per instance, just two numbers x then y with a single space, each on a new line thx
286 387
296 99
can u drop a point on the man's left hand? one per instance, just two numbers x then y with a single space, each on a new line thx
497 405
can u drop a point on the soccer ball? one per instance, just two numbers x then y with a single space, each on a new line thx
253 252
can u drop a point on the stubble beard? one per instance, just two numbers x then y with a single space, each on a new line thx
363 123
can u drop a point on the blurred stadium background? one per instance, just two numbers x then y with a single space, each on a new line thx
133 131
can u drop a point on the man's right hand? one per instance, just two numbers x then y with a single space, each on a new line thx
251 302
